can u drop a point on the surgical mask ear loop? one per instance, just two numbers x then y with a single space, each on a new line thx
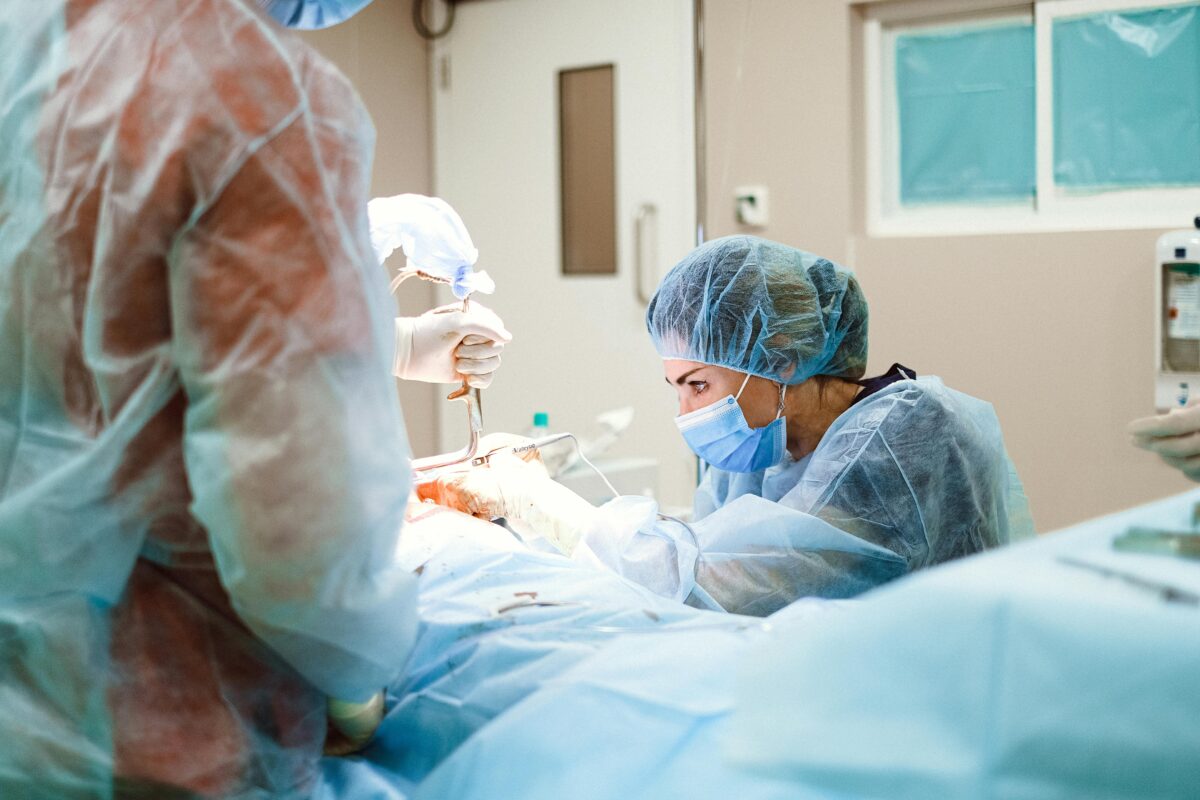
782 395
738 396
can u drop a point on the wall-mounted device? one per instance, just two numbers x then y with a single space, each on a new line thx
1177 334
751 206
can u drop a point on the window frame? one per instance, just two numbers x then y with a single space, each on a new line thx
1053 208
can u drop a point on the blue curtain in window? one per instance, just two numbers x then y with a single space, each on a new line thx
1127 99
965 102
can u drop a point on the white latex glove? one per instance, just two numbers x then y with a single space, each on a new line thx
447 345
1175 436
511 488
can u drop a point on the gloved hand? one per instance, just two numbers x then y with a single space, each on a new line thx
512 488
447 345
1175 436
352 724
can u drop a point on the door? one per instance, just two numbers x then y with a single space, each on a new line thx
580 345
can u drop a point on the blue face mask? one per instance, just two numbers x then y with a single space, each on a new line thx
720 435
311 15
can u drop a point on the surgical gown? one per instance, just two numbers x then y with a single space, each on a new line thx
201 451
912 475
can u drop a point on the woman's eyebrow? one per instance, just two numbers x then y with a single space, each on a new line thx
679 381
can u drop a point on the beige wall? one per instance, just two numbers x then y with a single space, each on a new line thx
1054 329
388 62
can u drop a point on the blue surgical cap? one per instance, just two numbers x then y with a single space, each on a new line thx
764 308
311 15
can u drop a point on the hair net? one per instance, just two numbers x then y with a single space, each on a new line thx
312 15
761 307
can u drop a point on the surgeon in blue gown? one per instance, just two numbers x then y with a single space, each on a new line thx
818 482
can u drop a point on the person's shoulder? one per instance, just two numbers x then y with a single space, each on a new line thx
215 60
925 401
330 95
327 94
925 387
242 79
936 391
228 54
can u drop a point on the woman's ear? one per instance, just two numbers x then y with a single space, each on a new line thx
786 375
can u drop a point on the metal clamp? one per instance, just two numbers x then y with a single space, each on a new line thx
464 392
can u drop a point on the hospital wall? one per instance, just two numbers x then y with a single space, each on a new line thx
1055 329
388 62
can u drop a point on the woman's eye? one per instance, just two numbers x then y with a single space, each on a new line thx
698 387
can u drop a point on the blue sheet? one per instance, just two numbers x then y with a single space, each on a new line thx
501 624
1062 668
1006 674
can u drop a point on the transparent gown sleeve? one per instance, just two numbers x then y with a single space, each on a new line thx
751 556
628 536
294 444
758 556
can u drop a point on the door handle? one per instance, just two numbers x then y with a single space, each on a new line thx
646 213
